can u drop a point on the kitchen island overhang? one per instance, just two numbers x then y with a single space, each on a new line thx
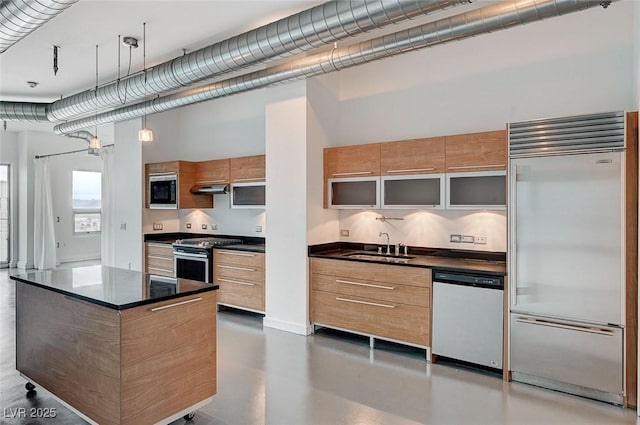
118 346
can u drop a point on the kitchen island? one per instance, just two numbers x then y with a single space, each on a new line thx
117 346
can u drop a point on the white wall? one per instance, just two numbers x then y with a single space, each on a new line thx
9 155
225 128
574 64
128 199
286 193
427 228
72 247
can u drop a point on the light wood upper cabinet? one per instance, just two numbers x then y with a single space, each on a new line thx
186 172
415 156
215 171
247 168
352 161
476 151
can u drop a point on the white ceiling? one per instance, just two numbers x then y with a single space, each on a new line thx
172 25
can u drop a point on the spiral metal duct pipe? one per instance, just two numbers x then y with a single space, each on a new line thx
19 18
303 31
23 111
492 18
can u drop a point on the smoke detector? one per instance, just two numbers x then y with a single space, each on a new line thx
130 42
33 84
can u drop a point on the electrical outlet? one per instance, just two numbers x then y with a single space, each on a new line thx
467 239
213 226
204 226
57 244
188 225
123 226
455 238
258 229
480 240
344 232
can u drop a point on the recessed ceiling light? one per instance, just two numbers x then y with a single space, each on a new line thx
33 84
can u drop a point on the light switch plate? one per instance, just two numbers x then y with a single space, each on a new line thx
204 226
455 238
467 238
344 232
213 226
188 225
258 229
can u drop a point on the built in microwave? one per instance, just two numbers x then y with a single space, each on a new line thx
163 191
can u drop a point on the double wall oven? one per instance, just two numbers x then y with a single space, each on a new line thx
193 258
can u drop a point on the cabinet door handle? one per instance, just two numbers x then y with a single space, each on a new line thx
471 167
246 269
552 324
255 179
212 181
160 269
239 254
368 285
356 173
176 304
236 281
160 258
364 302
411 170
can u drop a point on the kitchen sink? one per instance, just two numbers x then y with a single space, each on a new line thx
380 257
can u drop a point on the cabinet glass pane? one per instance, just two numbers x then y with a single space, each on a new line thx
412 192
353 193
249 195
479 190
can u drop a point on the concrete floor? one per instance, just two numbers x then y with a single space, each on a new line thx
267 376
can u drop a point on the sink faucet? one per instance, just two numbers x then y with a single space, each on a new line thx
388 247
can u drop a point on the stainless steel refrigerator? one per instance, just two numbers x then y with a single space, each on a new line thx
566 254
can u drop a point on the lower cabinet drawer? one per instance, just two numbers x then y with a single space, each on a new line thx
244 273
241 293
396 293
385 319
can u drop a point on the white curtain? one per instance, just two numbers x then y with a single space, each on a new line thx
108 248
44 235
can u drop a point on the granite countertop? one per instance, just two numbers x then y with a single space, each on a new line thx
493 263
250 244
118 289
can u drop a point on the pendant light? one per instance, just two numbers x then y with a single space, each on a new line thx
144 134
95 144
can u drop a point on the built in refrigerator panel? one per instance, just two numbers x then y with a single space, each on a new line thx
566 232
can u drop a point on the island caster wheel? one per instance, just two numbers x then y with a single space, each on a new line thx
189 416
29 386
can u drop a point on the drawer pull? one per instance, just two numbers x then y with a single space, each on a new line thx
236 281
411 170
239 254
164 307
160 269
245 269
588 329
368 285
471 167
355 173
155 257
364 302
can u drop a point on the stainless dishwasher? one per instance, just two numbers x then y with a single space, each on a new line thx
467 317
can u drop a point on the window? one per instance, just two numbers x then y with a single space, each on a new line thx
86 201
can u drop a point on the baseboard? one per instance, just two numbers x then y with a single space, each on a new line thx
283 325
24 265
78 258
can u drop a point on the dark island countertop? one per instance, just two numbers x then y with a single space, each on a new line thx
111 287
250 244
493 263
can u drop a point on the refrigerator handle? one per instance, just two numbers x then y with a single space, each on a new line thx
554 324
513 208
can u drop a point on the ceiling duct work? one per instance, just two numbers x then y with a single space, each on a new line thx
492 18
315 27
19 18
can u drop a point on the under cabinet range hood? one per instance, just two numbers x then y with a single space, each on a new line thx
213 189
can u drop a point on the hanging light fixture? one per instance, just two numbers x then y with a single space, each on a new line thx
95 144
145 134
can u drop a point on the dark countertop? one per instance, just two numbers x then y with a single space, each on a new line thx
493 263
114 288
251 244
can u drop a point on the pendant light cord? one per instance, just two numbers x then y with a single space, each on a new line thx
144 68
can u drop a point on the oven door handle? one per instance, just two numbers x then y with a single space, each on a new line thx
188 256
